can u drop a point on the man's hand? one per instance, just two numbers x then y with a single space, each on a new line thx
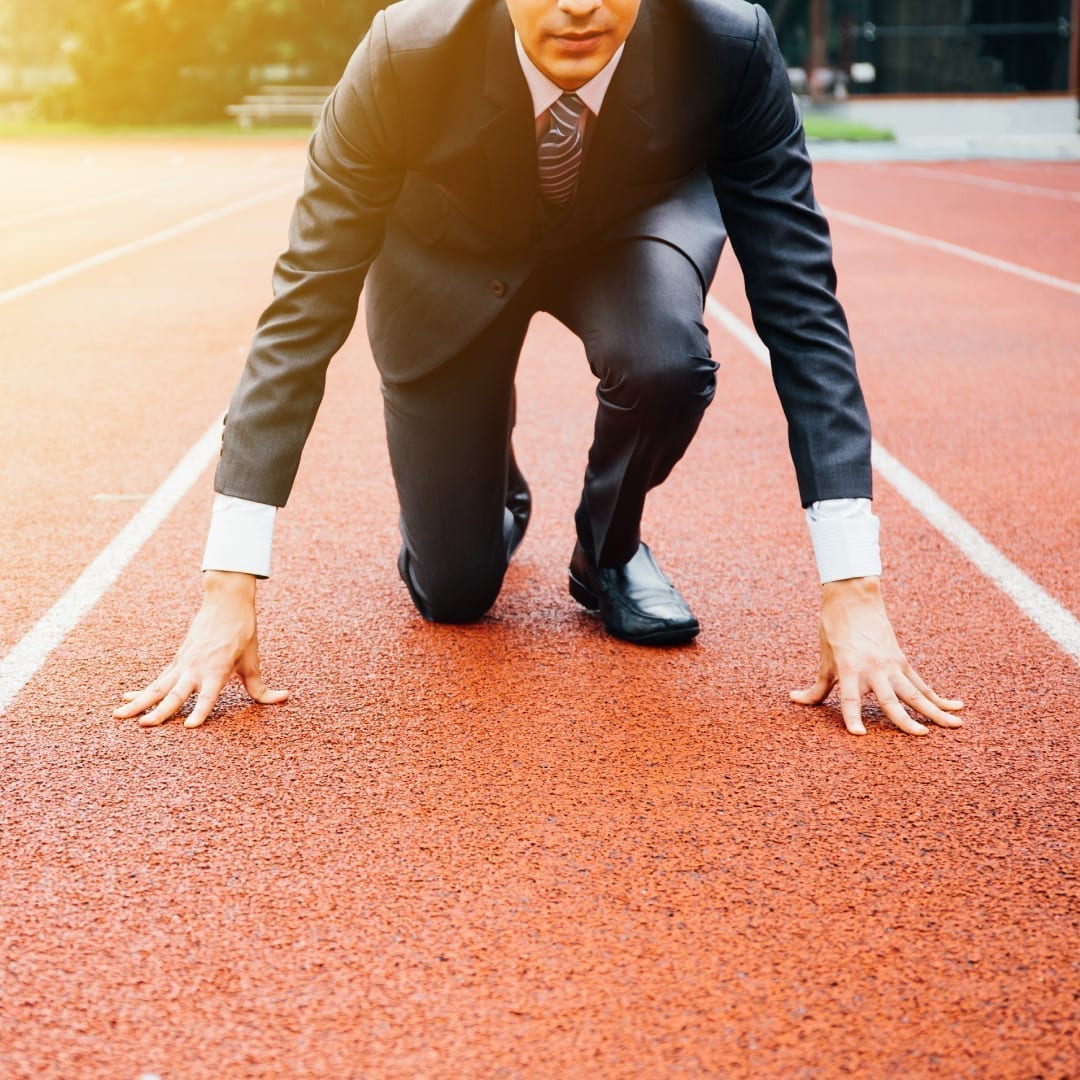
222 642
859 651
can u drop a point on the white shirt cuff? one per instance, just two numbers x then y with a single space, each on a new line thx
844 533
241 536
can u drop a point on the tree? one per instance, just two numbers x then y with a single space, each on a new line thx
29 36
185 60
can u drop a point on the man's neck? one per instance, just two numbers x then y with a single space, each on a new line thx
545 92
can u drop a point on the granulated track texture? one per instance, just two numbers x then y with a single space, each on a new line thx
522 848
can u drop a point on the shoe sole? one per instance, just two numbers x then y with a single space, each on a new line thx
589 600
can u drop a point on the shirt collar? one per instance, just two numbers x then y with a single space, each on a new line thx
545 93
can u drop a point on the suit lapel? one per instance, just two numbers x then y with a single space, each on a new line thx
626 120
509 134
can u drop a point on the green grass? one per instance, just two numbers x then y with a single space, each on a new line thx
817 127
828 127
224 129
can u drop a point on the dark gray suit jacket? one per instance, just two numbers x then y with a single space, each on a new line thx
422 182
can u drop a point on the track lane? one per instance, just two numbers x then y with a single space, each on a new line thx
38 174
35 245
523 846
1013 185
1052 617
1036 233
24 661
973 387
138 355
1055 175
66 206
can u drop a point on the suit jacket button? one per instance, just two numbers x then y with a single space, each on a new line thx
498 289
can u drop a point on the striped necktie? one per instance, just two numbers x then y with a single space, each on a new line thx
558 153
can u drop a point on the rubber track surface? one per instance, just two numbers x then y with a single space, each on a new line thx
523 848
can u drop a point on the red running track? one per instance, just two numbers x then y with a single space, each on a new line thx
521 847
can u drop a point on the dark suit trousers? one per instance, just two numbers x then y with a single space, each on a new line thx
637 307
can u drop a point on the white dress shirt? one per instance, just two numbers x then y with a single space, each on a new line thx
843 532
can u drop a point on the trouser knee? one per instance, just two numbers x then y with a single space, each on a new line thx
664 383
456 594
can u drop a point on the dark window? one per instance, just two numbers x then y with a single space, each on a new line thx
936 46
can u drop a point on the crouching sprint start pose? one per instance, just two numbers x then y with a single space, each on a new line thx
483 160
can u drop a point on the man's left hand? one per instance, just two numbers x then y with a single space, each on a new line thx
859 652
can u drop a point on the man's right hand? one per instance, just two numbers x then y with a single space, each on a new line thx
221 642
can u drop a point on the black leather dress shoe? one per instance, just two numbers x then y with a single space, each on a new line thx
636 601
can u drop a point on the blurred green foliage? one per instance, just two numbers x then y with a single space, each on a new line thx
175 61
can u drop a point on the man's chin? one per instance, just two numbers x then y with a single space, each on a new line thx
570 72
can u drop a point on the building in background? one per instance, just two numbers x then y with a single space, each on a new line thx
930 46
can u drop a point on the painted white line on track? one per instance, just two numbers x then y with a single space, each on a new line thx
44 213
92 263
1052 617
26 659
952 249
1058 194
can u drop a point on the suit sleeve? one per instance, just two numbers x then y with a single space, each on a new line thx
353 177
762 178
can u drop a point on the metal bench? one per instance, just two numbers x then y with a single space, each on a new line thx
280 105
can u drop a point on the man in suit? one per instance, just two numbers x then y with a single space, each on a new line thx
482 160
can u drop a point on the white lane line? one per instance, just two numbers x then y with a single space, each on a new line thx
46 212
26 659
1053 618
953 249
1059 194
92 263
